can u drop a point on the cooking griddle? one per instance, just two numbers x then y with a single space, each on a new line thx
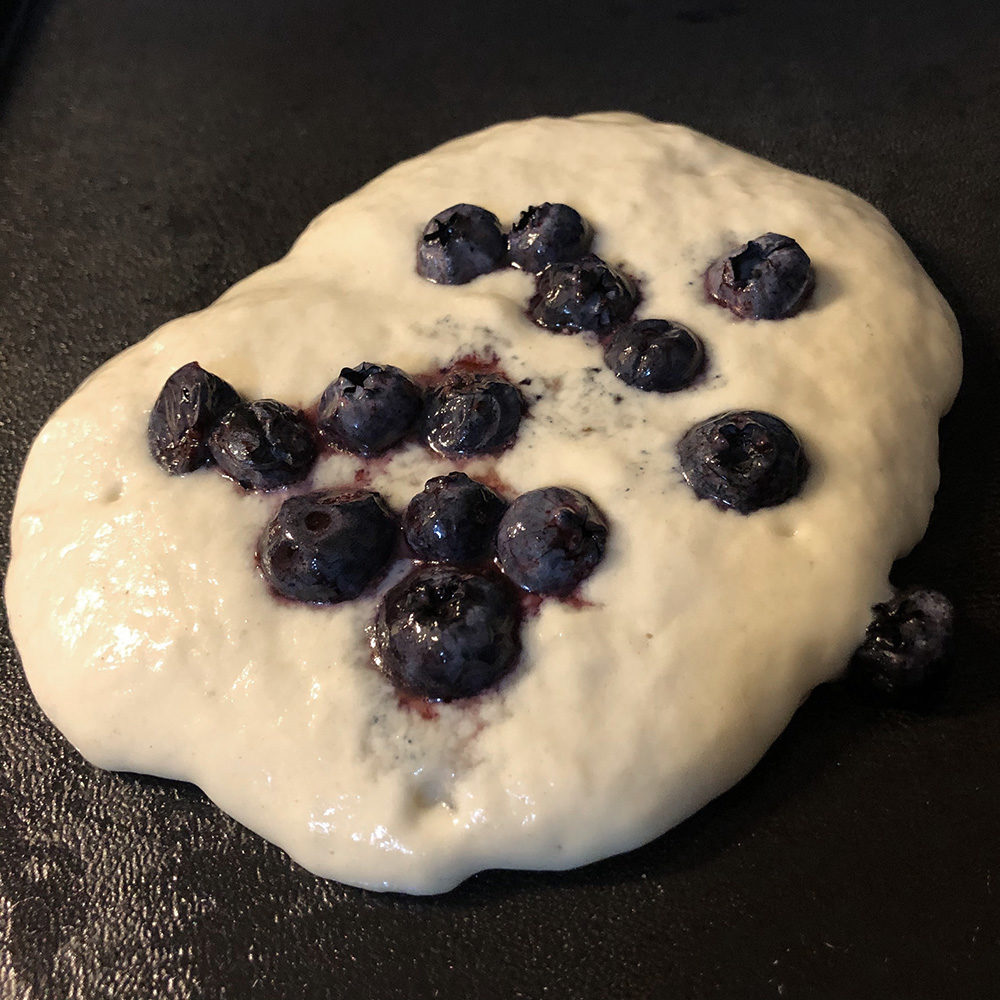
153 153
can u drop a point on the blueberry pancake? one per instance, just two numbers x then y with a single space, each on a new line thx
508 518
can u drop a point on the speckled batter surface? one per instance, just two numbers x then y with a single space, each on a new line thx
149 638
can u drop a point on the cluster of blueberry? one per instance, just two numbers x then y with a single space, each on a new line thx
574 290
451 628
199 419
742 459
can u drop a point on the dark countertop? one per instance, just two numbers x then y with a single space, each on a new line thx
152 153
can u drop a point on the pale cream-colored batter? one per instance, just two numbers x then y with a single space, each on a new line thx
150 639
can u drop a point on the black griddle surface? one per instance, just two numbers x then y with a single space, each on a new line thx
153 153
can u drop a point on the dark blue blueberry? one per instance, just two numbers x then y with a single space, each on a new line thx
369 408
191 402
263 445
585 294
768 278
453 520
551 539
743 459
459 244
548 234
655 355
326 547
904 656
469 413
446 634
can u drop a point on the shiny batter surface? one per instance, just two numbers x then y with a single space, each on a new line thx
150 639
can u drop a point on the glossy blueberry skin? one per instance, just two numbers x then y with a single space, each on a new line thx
444 634
904 657
548 234
655 355
743 459
325 547
459 244
471 413
585 294
770 277
454 519
368 409
551 539
190 404
263 445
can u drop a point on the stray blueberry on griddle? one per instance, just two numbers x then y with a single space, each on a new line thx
551 539
905 653
743 459
585 294
263 445
453 519
548 234
369 408
443 633
655 355
770 277
471 413
459 244
190 404
326 546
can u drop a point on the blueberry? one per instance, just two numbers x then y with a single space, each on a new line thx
443 633
768 278
191 402
263 445
906 647
548 234
743 459
459 244
327 547
655 355
469 413
551 539
453 520
369 408
584 294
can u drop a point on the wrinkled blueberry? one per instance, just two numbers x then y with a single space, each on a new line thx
469 413
551 539
655 355
263 445
767 278
584 294
443 633
743 459
191 402
548 234
369 408
459 244
326 547
454 519
906 647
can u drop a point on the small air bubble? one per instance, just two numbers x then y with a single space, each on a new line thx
431 794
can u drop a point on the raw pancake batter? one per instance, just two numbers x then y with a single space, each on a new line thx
150 639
